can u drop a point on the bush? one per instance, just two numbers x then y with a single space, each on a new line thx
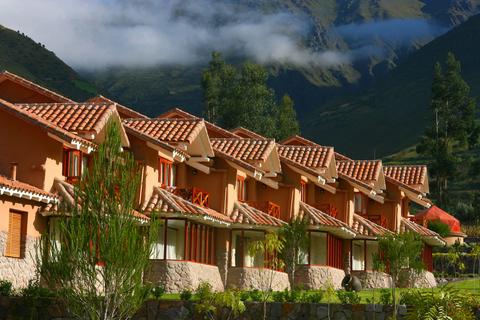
220 305
157 292
439 227
34 290
386 296
348 297
204 291
256 295
186 295
5 288
315 296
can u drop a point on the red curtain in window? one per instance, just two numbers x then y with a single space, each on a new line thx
427 257
335 252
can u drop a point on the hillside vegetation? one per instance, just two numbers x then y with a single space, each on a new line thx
23 56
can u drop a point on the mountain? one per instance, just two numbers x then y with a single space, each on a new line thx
21 55
391 29
392 114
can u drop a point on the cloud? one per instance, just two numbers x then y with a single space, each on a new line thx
91 34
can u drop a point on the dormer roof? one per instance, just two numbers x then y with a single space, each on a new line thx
16 89
123 111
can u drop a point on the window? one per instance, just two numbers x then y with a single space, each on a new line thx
358 255
335 252
241 242
73 163
241 187
303 191
167 173
318 248
184 240
372 251
360 203
17 234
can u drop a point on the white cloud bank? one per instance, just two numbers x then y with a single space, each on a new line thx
93 34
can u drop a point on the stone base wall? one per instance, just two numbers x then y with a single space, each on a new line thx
317 277
19 271
423 280
179 275
373 279
257 278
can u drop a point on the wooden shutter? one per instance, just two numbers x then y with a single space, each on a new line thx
16 234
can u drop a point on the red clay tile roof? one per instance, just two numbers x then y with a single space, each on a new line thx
44 124
245 133
242 213
165 202
33 86
316 217
297 140
124 112
167 130
340 157
363 170
244 149
408 225
308 156
411 175
365 227
19 189
73 117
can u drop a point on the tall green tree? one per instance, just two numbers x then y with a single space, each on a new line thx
296 245
453 124
240 96
97 259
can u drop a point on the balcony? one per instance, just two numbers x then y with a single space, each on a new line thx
268 207
194 195
328 209
377 218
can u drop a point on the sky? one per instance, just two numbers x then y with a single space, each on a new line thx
93 34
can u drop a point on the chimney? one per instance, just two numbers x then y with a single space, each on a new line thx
13 170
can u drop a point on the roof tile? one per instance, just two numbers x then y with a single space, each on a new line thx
242 213
363 170
309 156
15 185
411 175
167 130
244 149
124 111
365 227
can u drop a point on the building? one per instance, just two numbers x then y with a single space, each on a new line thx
216 191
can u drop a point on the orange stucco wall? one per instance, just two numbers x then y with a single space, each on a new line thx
35 223
213 183
39 157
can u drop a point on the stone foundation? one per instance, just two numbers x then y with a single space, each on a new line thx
179 275
257 278
373 279
423 280
19 271
317 277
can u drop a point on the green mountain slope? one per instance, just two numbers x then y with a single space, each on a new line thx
21 55
393 114
152 90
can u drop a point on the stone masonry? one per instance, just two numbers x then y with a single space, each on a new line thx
424 279
373 279
257 278
317 277
19 271
179 275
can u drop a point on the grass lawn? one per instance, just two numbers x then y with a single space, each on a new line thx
472 286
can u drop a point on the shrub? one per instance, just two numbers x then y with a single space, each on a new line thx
34 290
315 296
204 291
157 292
385 296
5 288
439 227
220 305
256 295
186 295
279 296
348 297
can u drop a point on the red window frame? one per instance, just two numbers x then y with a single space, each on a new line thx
166 170
303 191
68 155
241 190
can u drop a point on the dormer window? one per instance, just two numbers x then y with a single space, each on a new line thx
360 203
167 173
74 164
241 189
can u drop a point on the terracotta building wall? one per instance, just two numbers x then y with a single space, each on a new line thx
39 157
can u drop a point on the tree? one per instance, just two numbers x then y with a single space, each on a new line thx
296 244
98 264
271 247
454 127
399 252
240 96
287 124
